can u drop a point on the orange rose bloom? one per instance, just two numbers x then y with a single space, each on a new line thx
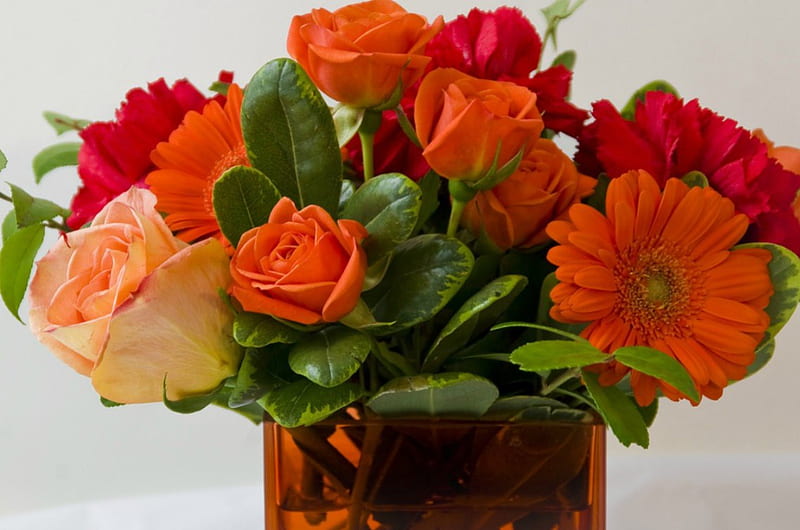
463 121
515 213
300 266
358 54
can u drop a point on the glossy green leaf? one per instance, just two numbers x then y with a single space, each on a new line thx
190 404
262 370
554 354
629 109
254 330
618 411
444 394
243 199
388 207
346 120
425 272
9 225
30 210
304 402
347 191
429 185
55 156
566 59
62 123
475 316
695 179
16 261
331 356
764 354
659 365
784 271
289 133
508 407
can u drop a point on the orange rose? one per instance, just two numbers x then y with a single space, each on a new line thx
358 54
300 266
463 121
125 302
515 213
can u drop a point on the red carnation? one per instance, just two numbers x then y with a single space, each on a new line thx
669 138
115 155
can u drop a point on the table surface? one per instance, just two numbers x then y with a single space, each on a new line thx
689 492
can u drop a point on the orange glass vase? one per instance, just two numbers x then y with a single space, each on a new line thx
435 475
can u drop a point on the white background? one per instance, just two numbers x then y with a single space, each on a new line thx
59 445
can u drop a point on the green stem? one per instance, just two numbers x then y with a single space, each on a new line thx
366 132
560 380
456 210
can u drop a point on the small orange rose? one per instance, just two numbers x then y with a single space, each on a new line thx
462 122
515 213
301 265
360 53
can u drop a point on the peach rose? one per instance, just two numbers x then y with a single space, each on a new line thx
126 303
515 213
360 53
463 121
300 266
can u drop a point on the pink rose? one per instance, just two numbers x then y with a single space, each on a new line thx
126 303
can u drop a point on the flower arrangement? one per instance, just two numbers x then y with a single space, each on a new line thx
423 248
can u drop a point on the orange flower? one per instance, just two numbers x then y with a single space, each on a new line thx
360 53
196 155
463 122
659 271
300 266
515 212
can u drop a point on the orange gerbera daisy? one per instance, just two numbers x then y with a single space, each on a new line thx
197 153
659 271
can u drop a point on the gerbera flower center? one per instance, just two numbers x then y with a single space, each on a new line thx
658 289
237 156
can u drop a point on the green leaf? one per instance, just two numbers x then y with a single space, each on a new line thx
429 184
649 412
554 13
554 354
303 402
388 207
3 161
565 59
618 411
425 272
254 330
9 225
331 356
629 109
290 136
262 370
542 327
16 262
695 179
220 87
243 199
764 354
30 210
62 123
444 394
109 404
508 407
55 156
190 404
346 120
659 365
784 271
477 314
347 191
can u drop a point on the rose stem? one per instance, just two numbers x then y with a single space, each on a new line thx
460 194
366 132
456 209
371 440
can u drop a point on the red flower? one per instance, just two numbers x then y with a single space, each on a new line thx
669 138
115 155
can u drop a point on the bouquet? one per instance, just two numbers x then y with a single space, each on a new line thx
386 225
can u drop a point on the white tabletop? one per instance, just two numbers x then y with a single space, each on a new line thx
686 492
